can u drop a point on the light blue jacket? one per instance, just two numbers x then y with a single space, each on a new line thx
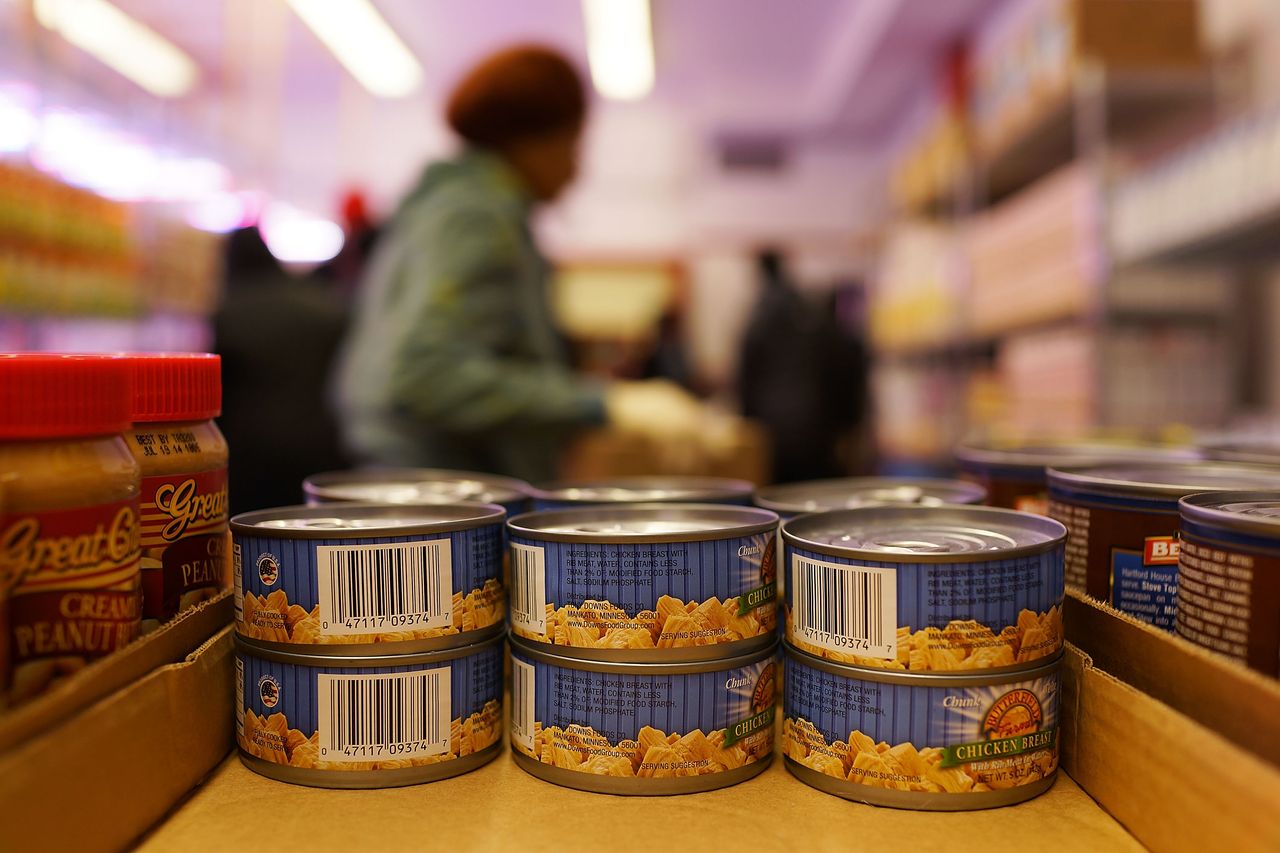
453 359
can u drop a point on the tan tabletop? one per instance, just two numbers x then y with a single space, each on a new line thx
500 807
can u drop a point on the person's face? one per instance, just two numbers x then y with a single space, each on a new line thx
548 162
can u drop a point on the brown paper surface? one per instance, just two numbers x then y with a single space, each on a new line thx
500 807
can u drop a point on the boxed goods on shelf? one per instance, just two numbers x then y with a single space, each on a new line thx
916 299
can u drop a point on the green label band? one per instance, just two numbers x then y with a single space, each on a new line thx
749 726
749 601
966 753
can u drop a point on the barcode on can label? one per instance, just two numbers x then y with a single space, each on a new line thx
366 589
852 609
237 566
529 588
383 717
522 703
239 696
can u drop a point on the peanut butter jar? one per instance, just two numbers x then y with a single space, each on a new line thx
183 459
69 530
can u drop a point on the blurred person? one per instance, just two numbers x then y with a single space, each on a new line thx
799 376
454 359
278 336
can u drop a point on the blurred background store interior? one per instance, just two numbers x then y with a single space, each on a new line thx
1004 218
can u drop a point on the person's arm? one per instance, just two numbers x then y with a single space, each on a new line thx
450 369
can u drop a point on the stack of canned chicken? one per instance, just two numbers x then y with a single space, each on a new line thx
369 635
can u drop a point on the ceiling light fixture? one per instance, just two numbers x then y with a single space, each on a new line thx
363 41
126 45
620 47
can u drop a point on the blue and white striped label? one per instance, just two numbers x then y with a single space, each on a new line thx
985 614
361 718
657 726
378 589
939 739
643 595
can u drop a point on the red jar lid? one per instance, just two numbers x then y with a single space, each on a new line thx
62 396
175 386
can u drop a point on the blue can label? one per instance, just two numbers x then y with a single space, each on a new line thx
946 740
644 595
1144 583
988 614
368 718
373 590
647 726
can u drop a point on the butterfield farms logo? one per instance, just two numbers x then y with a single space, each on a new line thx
1012 725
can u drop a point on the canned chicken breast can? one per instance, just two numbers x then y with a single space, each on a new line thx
636 490
361 579
368 722
1229 576
1015 473
792 499
416 486
930 742
925 589
650 582
1123 546
642 728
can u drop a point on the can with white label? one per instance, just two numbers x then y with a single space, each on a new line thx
642 728
366 579
649 582
368 722
925 589
416 486
933 742
1123 547
642 490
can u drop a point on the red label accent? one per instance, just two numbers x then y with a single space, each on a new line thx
1160 551
94 547
72 623
183 505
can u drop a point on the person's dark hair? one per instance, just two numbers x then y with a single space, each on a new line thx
247 254
769 262
522 91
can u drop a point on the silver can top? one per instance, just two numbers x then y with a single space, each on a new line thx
1246 512
364 521
1164 482
1256 452
643 523
412 486
919 534
852 492
631 490
1034 457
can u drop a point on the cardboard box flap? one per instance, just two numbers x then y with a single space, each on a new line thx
1241 705
171 643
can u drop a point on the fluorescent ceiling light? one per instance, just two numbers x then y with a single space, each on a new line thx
295 237
134 50
364 43
619 47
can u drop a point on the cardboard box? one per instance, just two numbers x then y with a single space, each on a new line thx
102 757
1181 745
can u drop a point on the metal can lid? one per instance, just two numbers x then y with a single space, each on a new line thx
1249 512
1256 452
1036 456
1164 482
246 646
631 490
973 678
413 486
852 492
919 534
527 650
643 523
363 521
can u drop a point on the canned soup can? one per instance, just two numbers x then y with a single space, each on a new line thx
368 722
1123 546
930 742
792 499
361 579
1229 576
416 486
1015 473
637 490
650 582
925 589
642 728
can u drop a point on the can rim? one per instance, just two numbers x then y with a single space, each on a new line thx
1259 452
1201 508
1054 530
1089 480
467 516
691 489
776 497
317 485
251 648
750 521
526 650
1049 666
1040 455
